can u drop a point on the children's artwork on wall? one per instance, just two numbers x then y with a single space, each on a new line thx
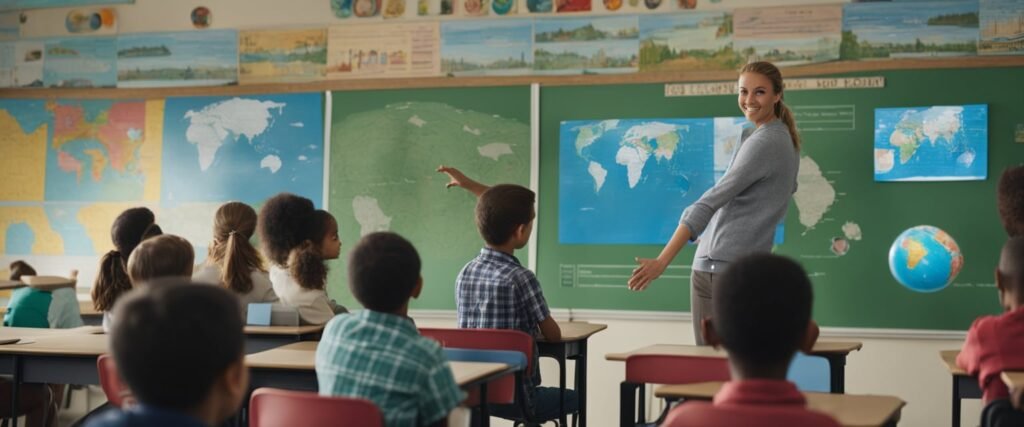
10 26
43 4
539 6
486 47
342 8
504 7
687 4
394 8
201 17
652 4
693 41
28 63
81 62
791 35
612 5
267 56
195 58
384 50
909 29
1002 27
595 45
91 21
366 8
6 64
574 5
475 7
942 143
447 7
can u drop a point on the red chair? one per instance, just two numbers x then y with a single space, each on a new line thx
706 414
501 390
662 369
110 381
270 407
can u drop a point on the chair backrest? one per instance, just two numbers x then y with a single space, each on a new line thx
110 381
661 369
270 407
810 373
705 414
502 390
1000 413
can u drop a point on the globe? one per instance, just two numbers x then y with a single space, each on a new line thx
925 259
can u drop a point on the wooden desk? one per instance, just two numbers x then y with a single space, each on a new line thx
90 316
964 386
573 345
293 367
834 352
260 338
850 410
1013 379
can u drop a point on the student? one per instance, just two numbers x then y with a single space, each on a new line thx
494 290
37 308
377 354
232 261
297 239
130 228
761 315
994 343
181 351
162 256
1011 200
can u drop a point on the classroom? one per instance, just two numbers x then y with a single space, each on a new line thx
620 117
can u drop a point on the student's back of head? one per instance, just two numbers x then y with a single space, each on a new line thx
1011 200
501 210
384 271
1010 273
233 225
21 268
161 256
761 312
129 229
299 237
180 347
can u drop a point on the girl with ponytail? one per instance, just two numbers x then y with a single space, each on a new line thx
130 228
232 261
297 239
739 215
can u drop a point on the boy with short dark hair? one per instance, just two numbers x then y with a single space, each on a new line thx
1011 200
378 354
761 315
495 291
996 343
181 350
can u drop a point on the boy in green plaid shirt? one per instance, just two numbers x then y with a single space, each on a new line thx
378 354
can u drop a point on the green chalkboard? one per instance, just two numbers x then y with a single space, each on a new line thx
853 290
385 147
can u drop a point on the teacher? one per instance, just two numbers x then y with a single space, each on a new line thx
737 216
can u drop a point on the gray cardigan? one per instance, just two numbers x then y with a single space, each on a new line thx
739 214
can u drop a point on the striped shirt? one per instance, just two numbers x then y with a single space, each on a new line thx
381 357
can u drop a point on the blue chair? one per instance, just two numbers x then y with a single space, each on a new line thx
810 373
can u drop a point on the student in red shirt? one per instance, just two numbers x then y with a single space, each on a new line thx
996 343
761 315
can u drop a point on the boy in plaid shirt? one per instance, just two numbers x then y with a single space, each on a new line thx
495 291
378 354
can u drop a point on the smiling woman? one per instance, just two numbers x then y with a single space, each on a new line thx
738 215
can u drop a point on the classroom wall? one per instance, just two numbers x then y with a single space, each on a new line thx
907 368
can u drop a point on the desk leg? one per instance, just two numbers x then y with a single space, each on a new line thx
837 370
15 385
562 418
627 403
581 383
485 416
956 402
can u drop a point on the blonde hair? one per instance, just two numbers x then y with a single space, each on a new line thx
161 256
233 226
772 72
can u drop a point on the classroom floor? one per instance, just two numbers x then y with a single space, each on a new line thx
82 401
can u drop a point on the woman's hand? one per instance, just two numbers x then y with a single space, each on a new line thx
647 271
